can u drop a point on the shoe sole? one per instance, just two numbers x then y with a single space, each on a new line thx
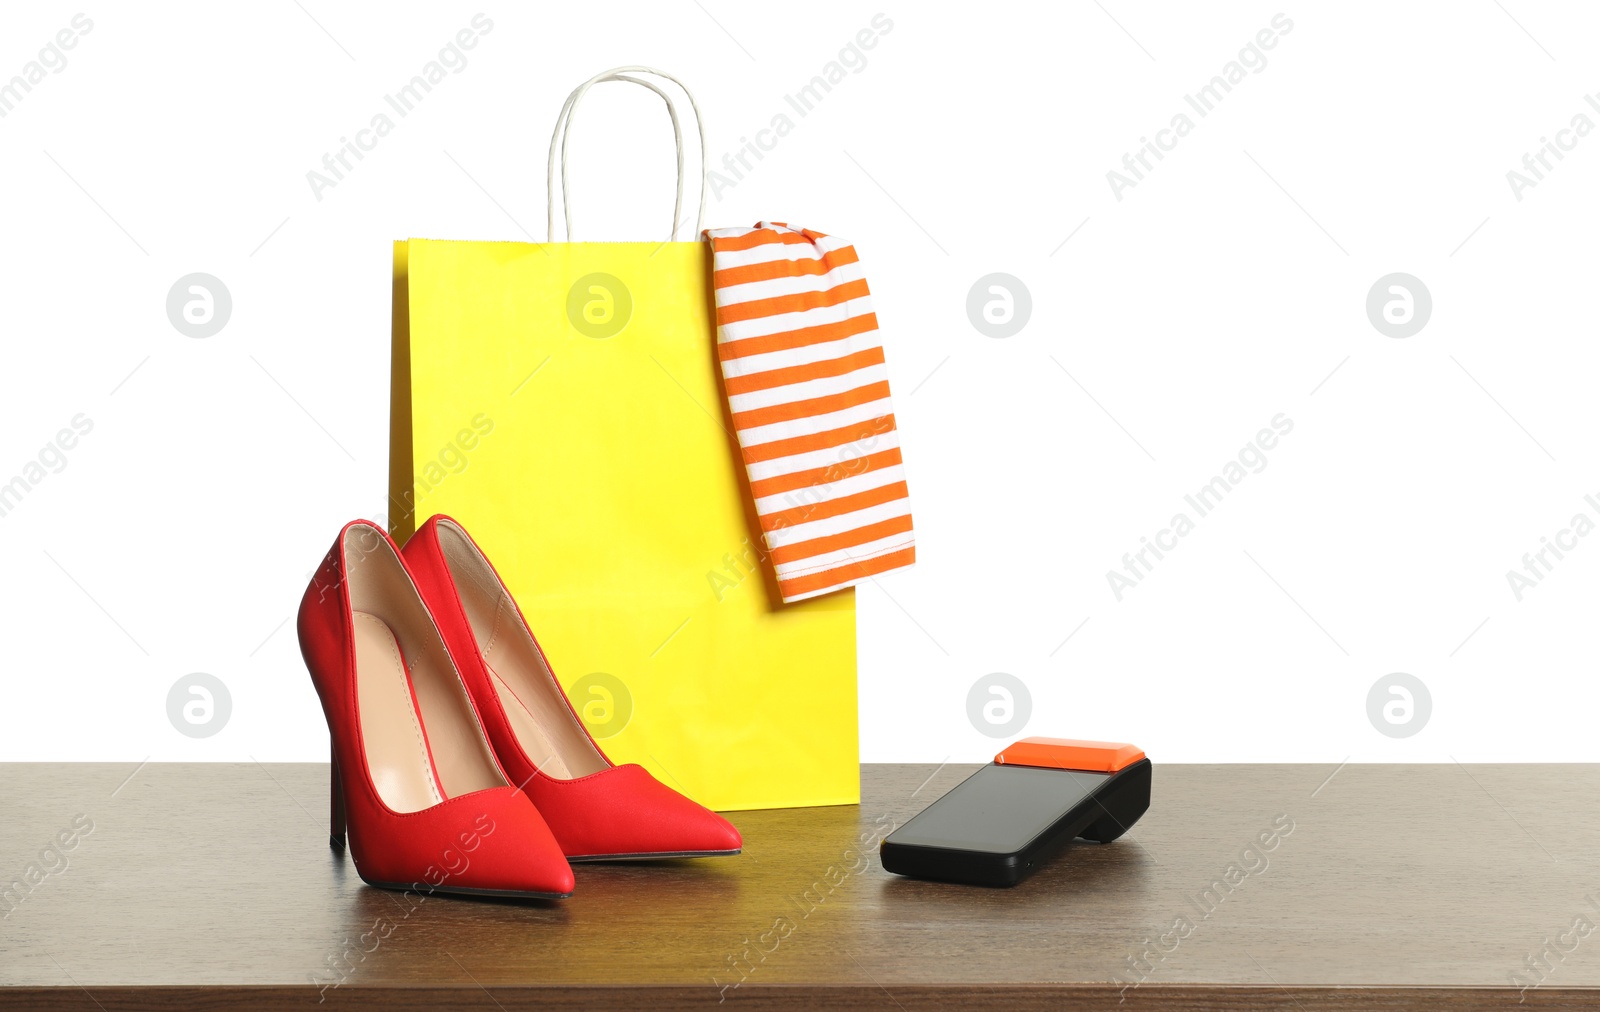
514 894
661 855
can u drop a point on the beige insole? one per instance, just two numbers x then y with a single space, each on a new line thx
525 725
397 751
537 709
533 702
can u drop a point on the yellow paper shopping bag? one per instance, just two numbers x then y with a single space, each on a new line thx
562 400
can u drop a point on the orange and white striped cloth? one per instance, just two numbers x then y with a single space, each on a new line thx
809 395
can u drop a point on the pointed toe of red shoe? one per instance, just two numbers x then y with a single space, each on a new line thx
491 843
624 813
515 853
720 836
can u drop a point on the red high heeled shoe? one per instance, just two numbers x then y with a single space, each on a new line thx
414 778
598 811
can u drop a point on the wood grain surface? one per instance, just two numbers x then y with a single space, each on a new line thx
211 886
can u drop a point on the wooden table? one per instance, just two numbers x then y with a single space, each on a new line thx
209 886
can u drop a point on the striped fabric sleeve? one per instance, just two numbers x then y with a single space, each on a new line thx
804 372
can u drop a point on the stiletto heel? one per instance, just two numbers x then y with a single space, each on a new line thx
335 806
597 810
415 793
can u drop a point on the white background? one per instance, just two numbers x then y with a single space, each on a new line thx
1228 286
